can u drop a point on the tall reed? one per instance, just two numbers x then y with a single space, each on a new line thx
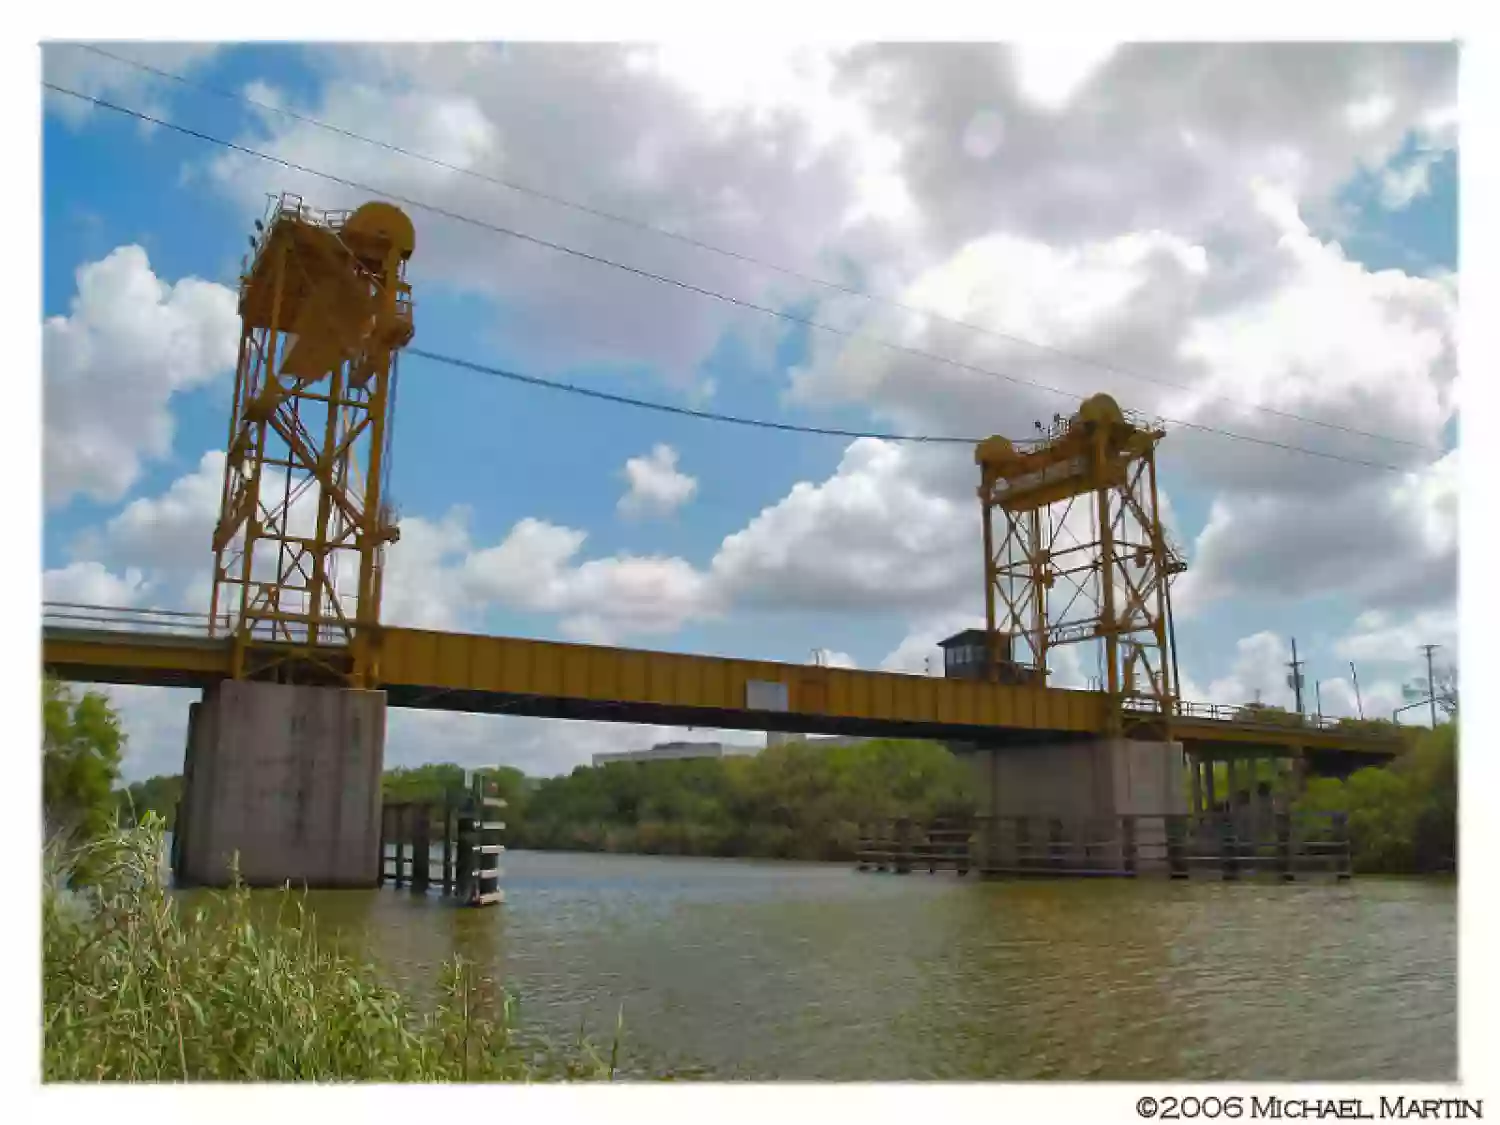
136 988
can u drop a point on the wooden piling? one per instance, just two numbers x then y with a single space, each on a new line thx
448 833
1343 861
1284 845
903 857
421 848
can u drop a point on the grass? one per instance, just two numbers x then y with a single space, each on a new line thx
135 989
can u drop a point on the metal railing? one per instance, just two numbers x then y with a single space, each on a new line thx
1240 715
135 619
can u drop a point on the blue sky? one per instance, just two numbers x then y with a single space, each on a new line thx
507 452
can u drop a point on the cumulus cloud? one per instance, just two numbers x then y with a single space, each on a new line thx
1154 207
747 150
1379 543
111 366
1153 136
91 583
70 66
1403 184
1382 637
656 486
875 535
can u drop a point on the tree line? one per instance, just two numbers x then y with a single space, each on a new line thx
795 801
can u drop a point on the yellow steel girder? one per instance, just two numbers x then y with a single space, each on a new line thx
451 661
508 666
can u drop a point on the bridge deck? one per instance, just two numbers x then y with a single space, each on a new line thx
505 675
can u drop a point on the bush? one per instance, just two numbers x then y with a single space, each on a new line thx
1403 818
81 745
133 990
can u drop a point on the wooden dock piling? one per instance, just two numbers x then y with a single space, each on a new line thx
1179 846
466 826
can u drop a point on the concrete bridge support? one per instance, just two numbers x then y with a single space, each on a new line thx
1082 787
287 777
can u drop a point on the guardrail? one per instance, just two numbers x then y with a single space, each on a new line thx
171 622
1244 716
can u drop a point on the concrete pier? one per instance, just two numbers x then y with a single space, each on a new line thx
287 777
1085 788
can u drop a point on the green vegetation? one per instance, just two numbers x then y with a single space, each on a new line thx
81 745
797 801
157 795
431 782
133 989
1403 818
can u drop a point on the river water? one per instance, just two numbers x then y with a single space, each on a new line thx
763 970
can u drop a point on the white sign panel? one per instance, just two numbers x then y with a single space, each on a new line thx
765 695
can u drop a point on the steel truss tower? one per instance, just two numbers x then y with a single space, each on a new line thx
303 523
1075 552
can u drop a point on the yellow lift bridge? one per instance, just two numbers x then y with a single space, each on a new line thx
1074 554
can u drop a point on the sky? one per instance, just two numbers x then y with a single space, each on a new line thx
1253 242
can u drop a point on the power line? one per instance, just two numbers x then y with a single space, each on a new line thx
688 286
684 411
758 423
688 240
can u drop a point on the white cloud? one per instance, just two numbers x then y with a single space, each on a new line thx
1048 74
90 583
1381 637
1259 673
155 722
656 486
876 535
761 157
832 658
1151 136
1379 542
1148 205
172 532
1401 185
69 66
111 366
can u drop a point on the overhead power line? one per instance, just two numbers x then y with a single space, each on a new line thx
684 411
688 240
757 423
684 285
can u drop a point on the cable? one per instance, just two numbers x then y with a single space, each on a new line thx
790 317
684 411
759 423
688 240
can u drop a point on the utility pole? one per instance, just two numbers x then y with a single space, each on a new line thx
1294 680
1431 684
1357 701
1318 693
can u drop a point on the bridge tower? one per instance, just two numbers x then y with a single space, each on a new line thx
303 523
1075 553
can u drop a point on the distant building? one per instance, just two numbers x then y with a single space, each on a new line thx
676 751
824 742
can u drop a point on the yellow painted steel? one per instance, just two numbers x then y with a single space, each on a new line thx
452 661
108 656
1103 577
324 308
1226 732
513 667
